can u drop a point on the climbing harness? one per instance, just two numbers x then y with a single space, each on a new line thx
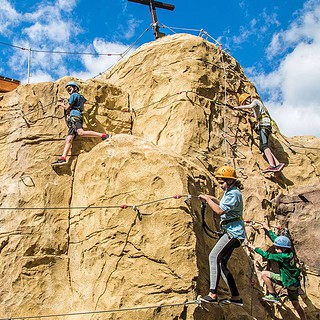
209 232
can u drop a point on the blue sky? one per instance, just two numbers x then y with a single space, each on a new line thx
277 42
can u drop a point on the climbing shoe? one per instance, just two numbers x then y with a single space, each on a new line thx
270 298
271 169
238 302
280 166
105 136
208 299
61 161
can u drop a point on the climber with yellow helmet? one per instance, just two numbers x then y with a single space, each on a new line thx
73 109
264 129
289 274
230 210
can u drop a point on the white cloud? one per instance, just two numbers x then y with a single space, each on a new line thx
8 16
133 24
54 31
293 87
304 29
67 5
51 26
48 23
293 120
97 64
256 27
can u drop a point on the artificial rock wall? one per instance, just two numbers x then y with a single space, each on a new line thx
105 232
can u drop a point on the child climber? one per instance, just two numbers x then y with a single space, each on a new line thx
264 129
73 114
289 276
230 209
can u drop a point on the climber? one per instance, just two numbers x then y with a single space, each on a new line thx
73 109
289 276
263 127
230 209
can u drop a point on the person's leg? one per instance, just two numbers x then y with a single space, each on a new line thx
293 294
299 309
272 160
67 146
225 272
92 134
264 147
265 275
220 250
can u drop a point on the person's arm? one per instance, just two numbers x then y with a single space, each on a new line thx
65 106
243 107
267 255
280 257
63 103
248 106
269 232
213 203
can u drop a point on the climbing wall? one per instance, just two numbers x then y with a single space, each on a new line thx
116 233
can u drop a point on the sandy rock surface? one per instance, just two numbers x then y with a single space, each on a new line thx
111 229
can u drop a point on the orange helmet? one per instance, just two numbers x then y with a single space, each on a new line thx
243 97
226 172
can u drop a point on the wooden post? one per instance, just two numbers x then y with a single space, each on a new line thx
152 6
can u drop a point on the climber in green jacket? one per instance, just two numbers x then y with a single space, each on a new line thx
289 276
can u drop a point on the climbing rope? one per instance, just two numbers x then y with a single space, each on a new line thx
124 53
59 52
185 304
123 206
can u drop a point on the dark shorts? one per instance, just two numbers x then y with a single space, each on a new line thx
293 291
74 123
264 133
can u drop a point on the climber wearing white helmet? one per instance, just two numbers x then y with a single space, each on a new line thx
73 115
264 129
289 276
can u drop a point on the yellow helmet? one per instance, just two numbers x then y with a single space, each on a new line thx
243 97
226 172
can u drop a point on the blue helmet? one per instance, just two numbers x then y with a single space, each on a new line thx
72 84
282 242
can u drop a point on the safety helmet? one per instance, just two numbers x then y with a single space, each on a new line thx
243 97
282 242
226 172
72 84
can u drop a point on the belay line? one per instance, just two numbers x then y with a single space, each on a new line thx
122 206
197 302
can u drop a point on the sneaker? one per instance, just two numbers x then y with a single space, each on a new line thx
61 161
238 302
280 166
271 169
105 136
208 299
270 298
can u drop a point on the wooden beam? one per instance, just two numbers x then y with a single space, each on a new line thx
8 84
157 4
152 6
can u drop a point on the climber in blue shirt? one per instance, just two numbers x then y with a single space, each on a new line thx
230 209
73 115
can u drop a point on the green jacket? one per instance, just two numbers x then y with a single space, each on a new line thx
289 273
